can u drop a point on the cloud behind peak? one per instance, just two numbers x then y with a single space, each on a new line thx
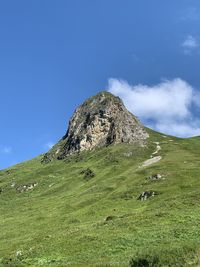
166 107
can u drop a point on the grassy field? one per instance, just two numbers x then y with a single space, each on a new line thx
84 210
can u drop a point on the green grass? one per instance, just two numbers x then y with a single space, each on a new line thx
62 221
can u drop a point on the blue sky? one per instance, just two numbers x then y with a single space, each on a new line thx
54 54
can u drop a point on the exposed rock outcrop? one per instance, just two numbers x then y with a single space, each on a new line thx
146 194
26 187
155 177
100 121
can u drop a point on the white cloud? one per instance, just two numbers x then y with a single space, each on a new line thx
5 149
166 107
189 44
179 129
49 145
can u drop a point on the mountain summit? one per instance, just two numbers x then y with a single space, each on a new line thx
79 211
100 121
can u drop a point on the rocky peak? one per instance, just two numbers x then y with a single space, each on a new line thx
100 121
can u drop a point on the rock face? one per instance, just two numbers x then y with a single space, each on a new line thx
100 121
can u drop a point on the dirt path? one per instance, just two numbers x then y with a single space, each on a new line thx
158 148
153 158
151 161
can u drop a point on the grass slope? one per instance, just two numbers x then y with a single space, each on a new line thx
62 221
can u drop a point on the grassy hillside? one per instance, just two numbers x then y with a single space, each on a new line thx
84 210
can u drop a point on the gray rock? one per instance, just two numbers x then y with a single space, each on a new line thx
19 253
155 177
100 121
128 154
26 187
146 194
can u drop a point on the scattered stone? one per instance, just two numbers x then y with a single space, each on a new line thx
128 154
155 177
13 184
146 194
1 190
11 171
19 253
26 187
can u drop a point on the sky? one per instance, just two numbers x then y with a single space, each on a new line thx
55 54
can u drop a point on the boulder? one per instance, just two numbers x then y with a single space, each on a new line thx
146 194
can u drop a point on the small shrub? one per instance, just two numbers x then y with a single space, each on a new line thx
176 257
11 262
110 218
88 174
145 262
127 195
